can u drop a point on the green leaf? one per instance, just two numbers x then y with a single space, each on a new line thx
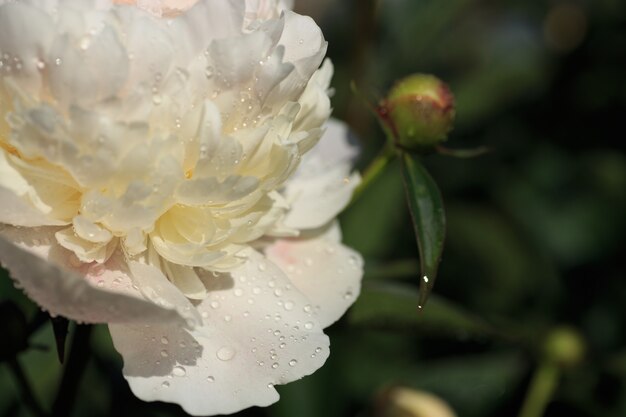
60 326
429 221
392 306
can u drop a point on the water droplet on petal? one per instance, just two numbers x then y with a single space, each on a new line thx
293 362
165 340
225 353
210 379
179 371
275 365
165 384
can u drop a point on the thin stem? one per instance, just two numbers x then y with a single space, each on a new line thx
26 390
376 168
542 388
74 367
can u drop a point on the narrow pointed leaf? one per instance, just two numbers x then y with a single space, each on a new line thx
60 326
463 153
429 221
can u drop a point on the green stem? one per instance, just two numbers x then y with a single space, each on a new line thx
542 388
376 168
26 390
74 367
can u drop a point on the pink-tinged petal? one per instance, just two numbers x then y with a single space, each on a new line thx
60 284
258 331
323 185
323 269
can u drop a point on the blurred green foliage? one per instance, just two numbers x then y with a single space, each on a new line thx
536 228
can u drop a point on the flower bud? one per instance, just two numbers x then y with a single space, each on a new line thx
407 402
565 347
419 112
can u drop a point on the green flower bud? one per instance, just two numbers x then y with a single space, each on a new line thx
565 346
419 112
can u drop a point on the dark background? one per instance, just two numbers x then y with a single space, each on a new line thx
536 228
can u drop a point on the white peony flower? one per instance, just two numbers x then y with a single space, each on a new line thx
169 168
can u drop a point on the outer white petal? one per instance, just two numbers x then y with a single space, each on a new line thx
322 187
327 272
60 284
258 331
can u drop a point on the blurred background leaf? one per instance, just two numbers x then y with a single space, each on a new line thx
536 228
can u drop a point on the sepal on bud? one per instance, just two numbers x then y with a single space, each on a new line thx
419 112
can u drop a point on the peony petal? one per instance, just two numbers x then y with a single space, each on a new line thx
327 272
59 283
258 331
17 212
322 187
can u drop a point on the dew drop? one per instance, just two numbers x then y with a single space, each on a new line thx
275 365
164 353
165 384
289 305
293 362
179 371
210 379
225 353
165 340
308 325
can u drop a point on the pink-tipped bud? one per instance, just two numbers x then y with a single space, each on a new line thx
419 112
